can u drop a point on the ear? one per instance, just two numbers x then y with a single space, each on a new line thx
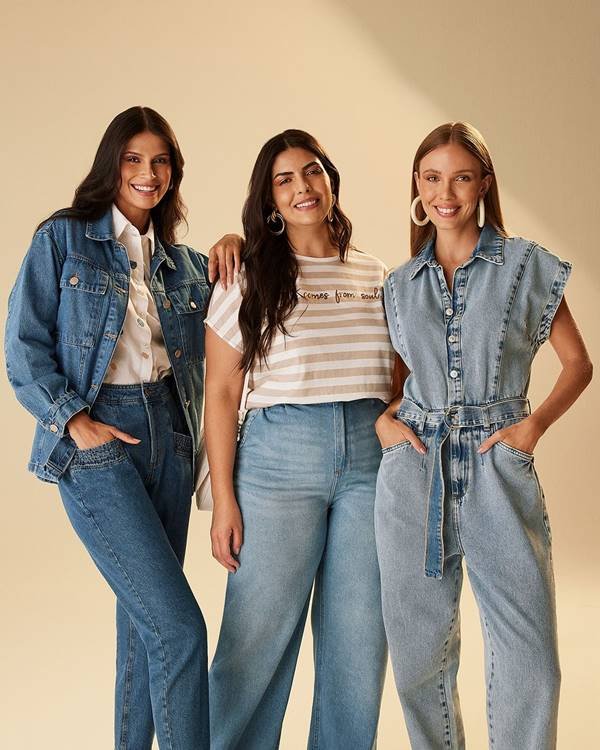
485 184
416 176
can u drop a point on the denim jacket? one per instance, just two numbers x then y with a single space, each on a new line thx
65 313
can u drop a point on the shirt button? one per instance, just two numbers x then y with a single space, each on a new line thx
193 305
178 353
167 304
452 339
53 428
132 265
140 322
449 311
145 355
74 280
453 374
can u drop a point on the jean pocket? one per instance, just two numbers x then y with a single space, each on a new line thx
515 451
250 417
182 444
111 452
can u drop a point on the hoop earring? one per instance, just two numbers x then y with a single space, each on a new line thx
330 215
481 213
272 218
413 213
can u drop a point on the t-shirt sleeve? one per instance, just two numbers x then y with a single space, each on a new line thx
547 277
223 314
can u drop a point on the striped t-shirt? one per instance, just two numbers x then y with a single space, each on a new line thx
338 347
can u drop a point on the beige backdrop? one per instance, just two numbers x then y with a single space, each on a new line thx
370 79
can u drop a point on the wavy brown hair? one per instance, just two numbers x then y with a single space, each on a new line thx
97 191
270 266
471 139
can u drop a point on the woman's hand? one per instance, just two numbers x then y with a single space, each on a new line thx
226 533
224 259
392 431
523 436
87 433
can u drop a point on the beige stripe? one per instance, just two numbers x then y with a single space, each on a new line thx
316 374
323 358
380 385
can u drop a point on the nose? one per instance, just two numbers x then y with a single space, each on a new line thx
446 189
304 186
148 168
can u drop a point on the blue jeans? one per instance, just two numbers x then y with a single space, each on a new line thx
305 482
130 506
492 514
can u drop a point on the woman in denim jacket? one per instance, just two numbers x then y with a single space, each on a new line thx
105 348
467 315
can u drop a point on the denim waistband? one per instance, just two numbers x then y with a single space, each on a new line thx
444 421
157 390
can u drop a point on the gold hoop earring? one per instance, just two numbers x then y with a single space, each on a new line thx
272 218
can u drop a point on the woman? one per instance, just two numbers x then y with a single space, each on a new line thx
294 507
105 347
467 315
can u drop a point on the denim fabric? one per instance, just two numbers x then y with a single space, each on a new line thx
305 481
130 506
469 350
65 313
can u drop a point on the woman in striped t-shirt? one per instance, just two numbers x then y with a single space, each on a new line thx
294 507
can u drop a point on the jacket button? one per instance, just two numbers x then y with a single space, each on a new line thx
53 428
167 304
193 305
74 280
178 353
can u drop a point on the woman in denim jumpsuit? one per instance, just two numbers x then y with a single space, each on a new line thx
457 477
123 453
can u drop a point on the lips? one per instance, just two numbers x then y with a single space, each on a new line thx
145 189
307 204
447 212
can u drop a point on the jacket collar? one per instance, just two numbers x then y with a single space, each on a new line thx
490 247
103 229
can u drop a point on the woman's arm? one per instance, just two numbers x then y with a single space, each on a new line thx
390 430
574 377
223 390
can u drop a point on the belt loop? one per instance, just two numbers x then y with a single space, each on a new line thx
486 417
422 420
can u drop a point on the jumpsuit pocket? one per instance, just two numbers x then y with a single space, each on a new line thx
515 451
397 446
111 452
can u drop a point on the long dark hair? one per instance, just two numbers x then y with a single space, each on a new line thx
271 268
96 193
470 138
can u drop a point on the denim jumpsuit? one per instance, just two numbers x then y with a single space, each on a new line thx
469 351
129 504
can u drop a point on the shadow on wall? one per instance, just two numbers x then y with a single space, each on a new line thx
526 74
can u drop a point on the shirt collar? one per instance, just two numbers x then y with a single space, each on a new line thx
122 226
490 247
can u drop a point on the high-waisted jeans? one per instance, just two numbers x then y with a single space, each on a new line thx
130 506
431 512
305 482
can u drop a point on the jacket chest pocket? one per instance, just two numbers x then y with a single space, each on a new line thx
83 288
190 303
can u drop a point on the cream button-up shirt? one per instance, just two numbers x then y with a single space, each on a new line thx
140 355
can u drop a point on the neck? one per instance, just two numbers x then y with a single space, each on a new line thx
312 241
456 245
139 217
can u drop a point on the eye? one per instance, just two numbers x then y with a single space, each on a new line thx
162 160
431 178
463 178
315 170
283 181
131 158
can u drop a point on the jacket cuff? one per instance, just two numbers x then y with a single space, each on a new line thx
62 410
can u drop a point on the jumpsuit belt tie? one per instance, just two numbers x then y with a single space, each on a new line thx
441 422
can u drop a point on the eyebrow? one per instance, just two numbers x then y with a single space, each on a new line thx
136 153
306 166
458 171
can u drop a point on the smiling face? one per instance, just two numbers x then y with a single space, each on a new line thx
301 188
450 183
145 176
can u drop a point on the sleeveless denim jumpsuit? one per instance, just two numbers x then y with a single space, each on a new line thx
469 351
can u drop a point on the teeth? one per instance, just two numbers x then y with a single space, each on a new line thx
447 211
306 203
145 188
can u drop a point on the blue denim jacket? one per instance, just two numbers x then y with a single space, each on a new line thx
65 313
473 345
